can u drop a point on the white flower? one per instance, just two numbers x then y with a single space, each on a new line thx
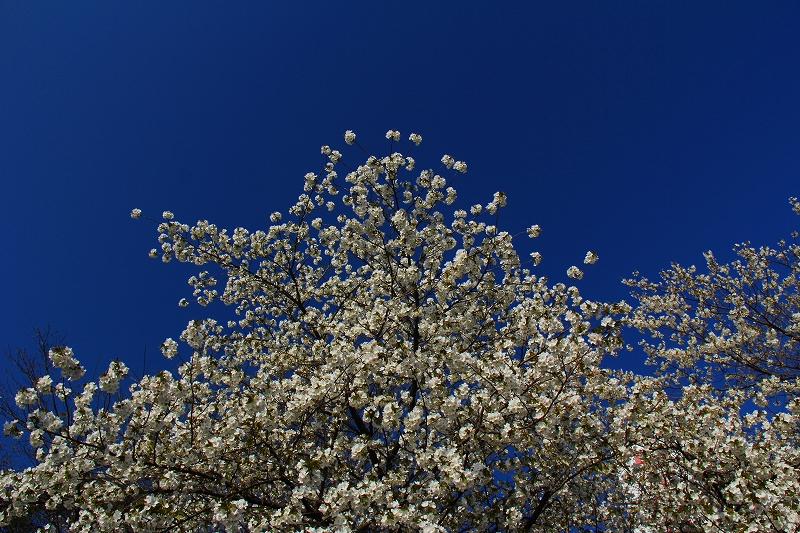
537 258
10 429
50 422
534 231
167 215
451 196
26 397
416 138
448 161
574 272
62 358
36 438
43 384
591 258
169 348
136 213
153 253
109 380
410 163
349 137
460 166
275 217
393 134
108 384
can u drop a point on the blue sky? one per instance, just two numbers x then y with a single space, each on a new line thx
647 131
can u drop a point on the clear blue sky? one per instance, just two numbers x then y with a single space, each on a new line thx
647 131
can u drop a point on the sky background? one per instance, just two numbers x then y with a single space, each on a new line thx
647 131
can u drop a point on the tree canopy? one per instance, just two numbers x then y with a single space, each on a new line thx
397 366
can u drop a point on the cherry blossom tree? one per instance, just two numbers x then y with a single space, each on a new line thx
717 431
737 326
394 367
29 367
391 368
